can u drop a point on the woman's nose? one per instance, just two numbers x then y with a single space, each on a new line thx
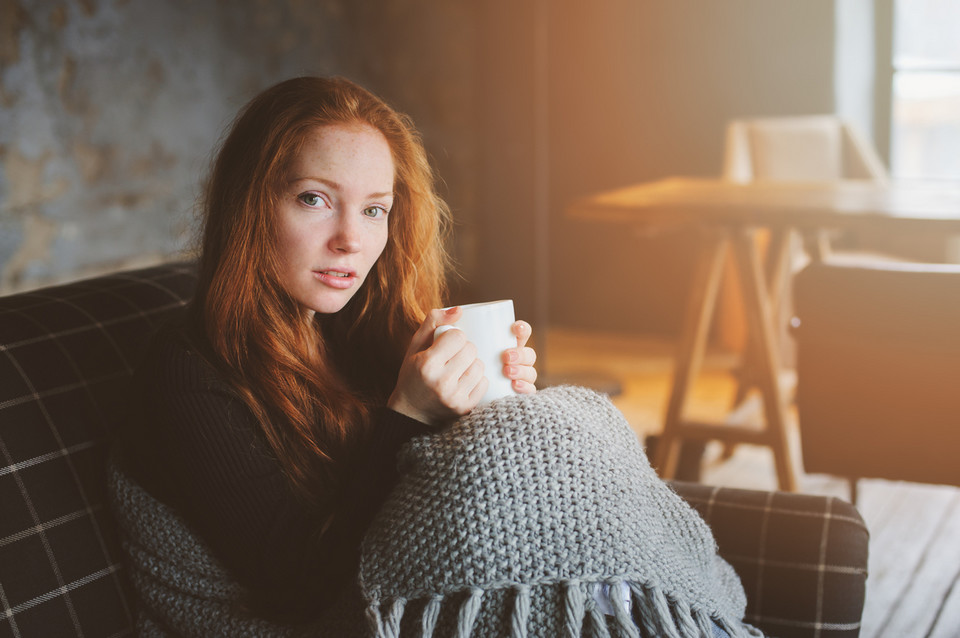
346 238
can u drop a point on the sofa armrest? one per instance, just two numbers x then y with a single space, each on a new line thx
802 558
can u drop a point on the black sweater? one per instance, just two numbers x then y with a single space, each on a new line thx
197 447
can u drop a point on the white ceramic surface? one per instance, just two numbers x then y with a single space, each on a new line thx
487 326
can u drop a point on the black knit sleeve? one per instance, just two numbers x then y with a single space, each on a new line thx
195 445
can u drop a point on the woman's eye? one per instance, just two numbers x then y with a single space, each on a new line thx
310 199
374 211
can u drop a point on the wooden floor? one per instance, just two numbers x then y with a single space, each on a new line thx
913 587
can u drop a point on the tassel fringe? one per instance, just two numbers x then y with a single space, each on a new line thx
622 614
573 609
704 623
646 611
374 619
431 612
683 618
393 618
657 614
468 613
597 620
521 612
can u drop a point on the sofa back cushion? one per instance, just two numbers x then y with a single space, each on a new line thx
66 357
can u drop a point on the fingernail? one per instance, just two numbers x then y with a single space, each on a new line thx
512 356
511 371
451 310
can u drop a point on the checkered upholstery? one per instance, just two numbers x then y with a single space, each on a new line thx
66 355
802 559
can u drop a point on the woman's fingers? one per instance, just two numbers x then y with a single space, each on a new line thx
460 375
527 374
519 356
522 330
477 392
423 337
519 362
523 387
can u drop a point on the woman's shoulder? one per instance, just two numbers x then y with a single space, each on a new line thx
179 359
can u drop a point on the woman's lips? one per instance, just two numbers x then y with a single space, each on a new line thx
339 279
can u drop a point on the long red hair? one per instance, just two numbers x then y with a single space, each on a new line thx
312 384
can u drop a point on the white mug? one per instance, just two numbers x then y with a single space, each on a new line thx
487 326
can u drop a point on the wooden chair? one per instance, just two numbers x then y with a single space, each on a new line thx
806 148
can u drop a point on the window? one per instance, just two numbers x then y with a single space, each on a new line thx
925 118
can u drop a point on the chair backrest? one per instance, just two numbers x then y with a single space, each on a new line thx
66 357
878 359
805 148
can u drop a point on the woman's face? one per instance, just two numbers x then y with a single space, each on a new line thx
333 214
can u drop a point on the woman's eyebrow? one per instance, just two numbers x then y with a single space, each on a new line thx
307 178
336 186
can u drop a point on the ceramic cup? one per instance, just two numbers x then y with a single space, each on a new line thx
487 326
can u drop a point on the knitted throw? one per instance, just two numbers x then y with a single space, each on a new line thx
181 587
532 516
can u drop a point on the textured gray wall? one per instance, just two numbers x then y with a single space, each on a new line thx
109 110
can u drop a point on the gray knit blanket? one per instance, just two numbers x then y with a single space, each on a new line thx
181 588
534 516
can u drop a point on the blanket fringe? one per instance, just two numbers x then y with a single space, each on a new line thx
597 620
521 612
704 623
374 619
573 608
647 613
468 613
658 614
431 612
388 627
622 611
394 616
684 618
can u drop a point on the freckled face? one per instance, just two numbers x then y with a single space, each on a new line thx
333 215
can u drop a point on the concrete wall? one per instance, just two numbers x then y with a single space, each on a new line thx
109 110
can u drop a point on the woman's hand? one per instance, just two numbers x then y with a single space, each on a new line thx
439 379
518 362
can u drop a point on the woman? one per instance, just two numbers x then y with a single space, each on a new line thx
269 417
272 421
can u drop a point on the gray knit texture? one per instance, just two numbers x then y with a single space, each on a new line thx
181 588
510 521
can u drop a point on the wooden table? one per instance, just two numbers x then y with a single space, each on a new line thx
730 215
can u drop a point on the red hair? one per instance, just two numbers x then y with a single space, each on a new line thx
301 378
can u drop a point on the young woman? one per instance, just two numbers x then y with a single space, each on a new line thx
266 442
269 417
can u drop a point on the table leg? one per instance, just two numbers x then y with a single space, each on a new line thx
760 325
777 268
696 328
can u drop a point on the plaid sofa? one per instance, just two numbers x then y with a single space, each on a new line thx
66 354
